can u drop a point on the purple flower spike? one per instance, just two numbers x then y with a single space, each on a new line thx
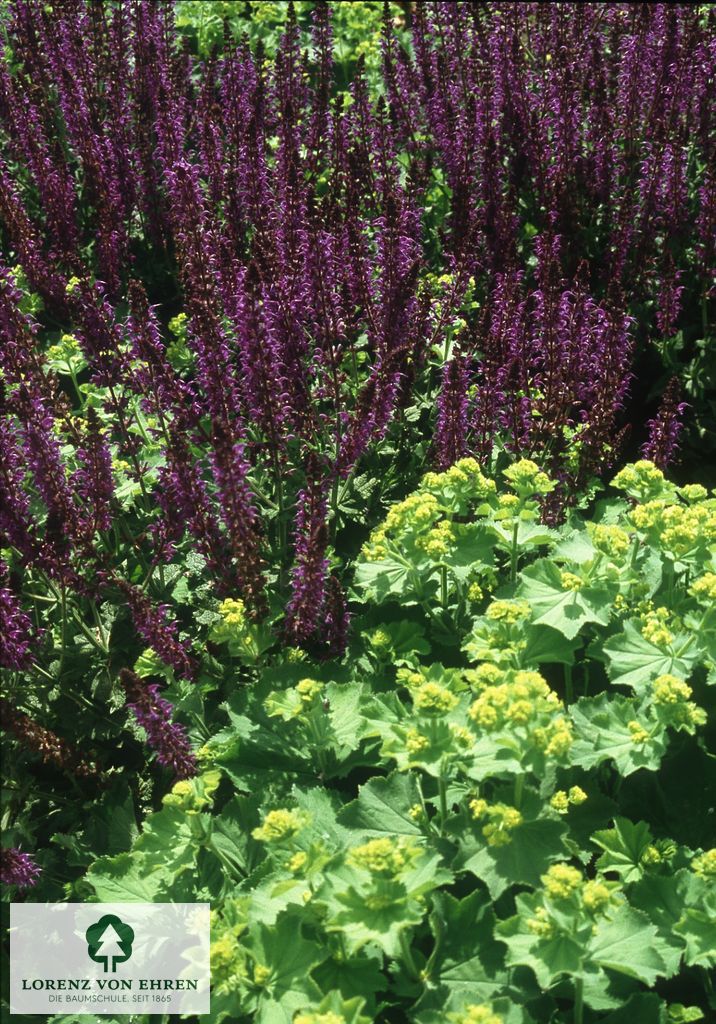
14 627
308 578
168 739
151 623
452 421
18 868
665 428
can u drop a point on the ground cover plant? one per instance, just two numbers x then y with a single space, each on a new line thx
345 348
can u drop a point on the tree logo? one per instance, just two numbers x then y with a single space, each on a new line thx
109 941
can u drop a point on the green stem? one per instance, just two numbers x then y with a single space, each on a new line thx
519 787
442 791
513 554
443 586
579 1000
408 958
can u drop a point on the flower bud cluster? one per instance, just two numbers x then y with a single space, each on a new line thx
475 1013
502 820
383 857
642 480
523 699
671 697
562 800
564 884
279 825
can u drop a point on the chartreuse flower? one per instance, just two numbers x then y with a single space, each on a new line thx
610 540
704 589
705 865
682 532
501 821
564 884
432 699
333 1009
319 1018
280 825
671 699
655 629
384 857
643 480
563 799
523 702
509 612
527 479
196 794
243 637
476 1013
498 635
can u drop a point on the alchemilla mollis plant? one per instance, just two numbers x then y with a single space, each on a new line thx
349 577
478 813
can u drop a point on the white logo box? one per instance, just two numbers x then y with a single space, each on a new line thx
115 958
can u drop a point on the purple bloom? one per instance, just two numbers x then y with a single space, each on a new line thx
18 868
93 481
151 623
168 739
15 627
452 421
308 576
665 429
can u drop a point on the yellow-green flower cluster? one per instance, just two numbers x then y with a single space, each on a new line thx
679 529
612 541
595 896
309 690
415 742
319 1018
669 689
233 623
279 825
563 799
434 699
704 589
528 479
570 581
67 347
227 964
414 515
654 628
523 700
641 480
501 823
563 883
509 612
637 732
436 543
508 505
556 739
705 865
475 1013
475 593
298 862
420 518
462 483
672 695
379 641
262 973
693 493
651 856
384 857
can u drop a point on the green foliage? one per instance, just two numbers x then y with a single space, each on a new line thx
440 827
356 28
